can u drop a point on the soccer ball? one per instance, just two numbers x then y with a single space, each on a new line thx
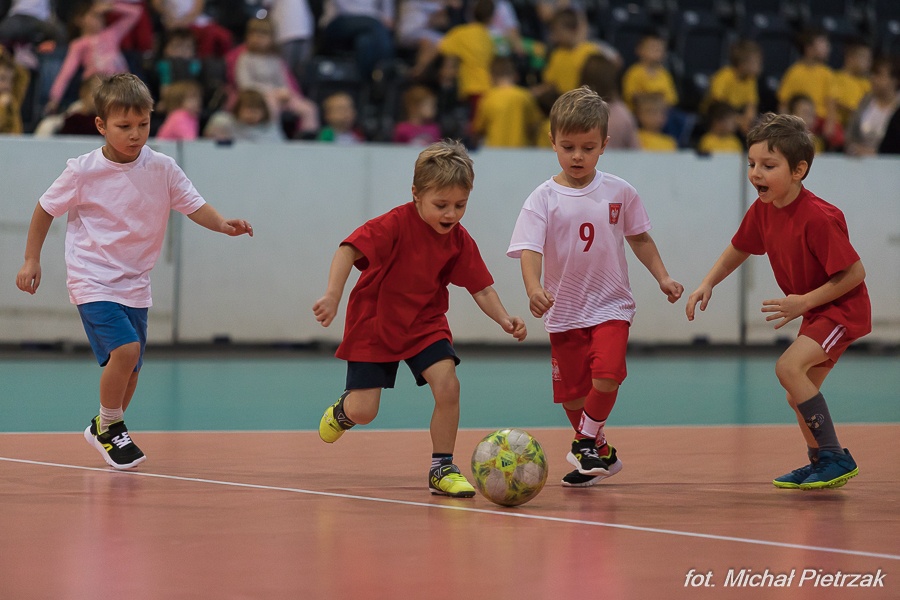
509 467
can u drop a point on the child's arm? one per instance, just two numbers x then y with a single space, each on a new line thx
489 303
209 217
730 260
29 277
646 251
539 299
788 309
326 307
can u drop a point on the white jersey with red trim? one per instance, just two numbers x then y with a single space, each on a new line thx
581 235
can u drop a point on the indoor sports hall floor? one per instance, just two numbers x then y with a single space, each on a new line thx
240 499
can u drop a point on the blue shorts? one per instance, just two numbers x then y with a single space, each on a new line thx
366 375
109 325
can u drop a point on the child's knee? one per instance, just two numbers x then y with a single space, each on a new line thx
126 355
605 385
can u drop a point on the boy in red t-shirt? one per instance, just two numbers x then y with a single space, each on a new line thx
821 275
397 310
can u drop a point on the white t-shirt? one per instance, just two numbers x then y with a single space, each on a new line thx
117 217
581 235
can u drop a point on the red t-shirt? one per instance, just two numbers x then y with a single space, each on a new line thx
808 243
398 307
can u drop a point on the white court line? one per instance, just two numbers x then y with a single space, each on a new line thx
254 486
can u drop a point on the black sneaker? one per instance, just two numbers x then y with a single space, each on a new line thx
587 460
114 445
576 479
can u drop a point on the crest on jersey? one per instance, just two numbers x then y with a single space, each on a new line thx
614 209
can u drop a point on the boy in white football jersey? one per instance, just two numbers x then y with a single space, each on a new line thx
574 227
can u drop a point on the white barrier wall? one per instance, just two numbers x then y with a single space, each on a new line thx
304 198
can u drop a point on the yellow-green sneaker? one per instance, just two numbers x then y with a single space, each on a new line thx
334 422
446 480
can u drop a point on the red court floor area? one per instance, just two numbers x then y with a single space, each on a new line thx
282 515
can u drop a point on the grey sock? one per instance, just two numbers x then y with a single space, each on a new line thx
815 413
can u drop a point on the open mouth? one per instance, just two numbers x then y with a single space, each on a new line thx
762 189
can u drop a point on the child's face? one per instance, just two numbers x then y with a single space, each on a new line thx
427 108
180 48
725 125
820 48
259 41
6 79
340 113
193 103
651 51
251 115
859 61
770 174
93 21
751 66
125 133
578 154
883 84
806 110
651 116
441 208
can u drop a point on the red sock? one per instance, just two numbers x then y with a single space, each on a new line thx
597 407
575 419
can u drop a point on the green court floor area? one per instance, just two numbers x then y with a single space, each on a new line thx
184 392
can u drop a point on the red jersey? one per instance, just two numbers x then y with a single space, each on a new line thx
808 243
398 307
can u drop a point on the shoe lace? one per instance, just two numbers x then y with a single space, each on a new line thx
589 452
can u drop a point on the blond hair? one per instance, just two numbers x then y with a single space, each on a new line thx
123 91
443 164
579 111
177 93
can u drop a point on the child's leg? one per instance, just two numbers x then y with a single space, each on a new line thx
597 407
444 477
795 370
119 378
361 406
441 376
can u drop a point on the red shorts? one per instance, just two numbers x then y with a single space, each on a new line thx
579 356
832 337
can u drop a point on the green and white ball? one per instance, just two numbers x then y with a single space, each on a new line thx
509 467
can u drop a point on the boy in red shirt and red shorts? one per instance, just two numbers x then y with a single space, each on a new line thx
821 276
397 310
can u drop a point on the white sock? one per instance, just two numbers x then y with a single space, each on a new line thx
108 416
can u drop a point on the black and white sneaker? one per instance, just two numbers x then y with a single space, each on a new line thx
114 445
576 479
585 457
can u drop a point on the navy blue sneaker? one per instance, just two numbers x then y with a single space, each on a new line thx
792 480
831 471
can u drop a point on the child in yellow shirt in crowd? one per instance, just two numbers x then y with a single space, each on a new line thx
507 115
851 83
722 133
471 46
736 83
811 76
649 74
651 112
570 51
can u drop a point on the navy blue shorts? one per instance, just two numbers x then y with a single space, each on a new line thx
366 375
109 325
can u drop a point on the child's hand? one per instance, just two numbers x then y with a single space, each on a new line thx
540 302
325 309
702 295
672 289
29 277
786 309
515 326
235 227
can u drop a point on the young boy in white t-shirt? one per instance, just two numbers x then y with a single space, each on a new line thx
118 200
574 226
